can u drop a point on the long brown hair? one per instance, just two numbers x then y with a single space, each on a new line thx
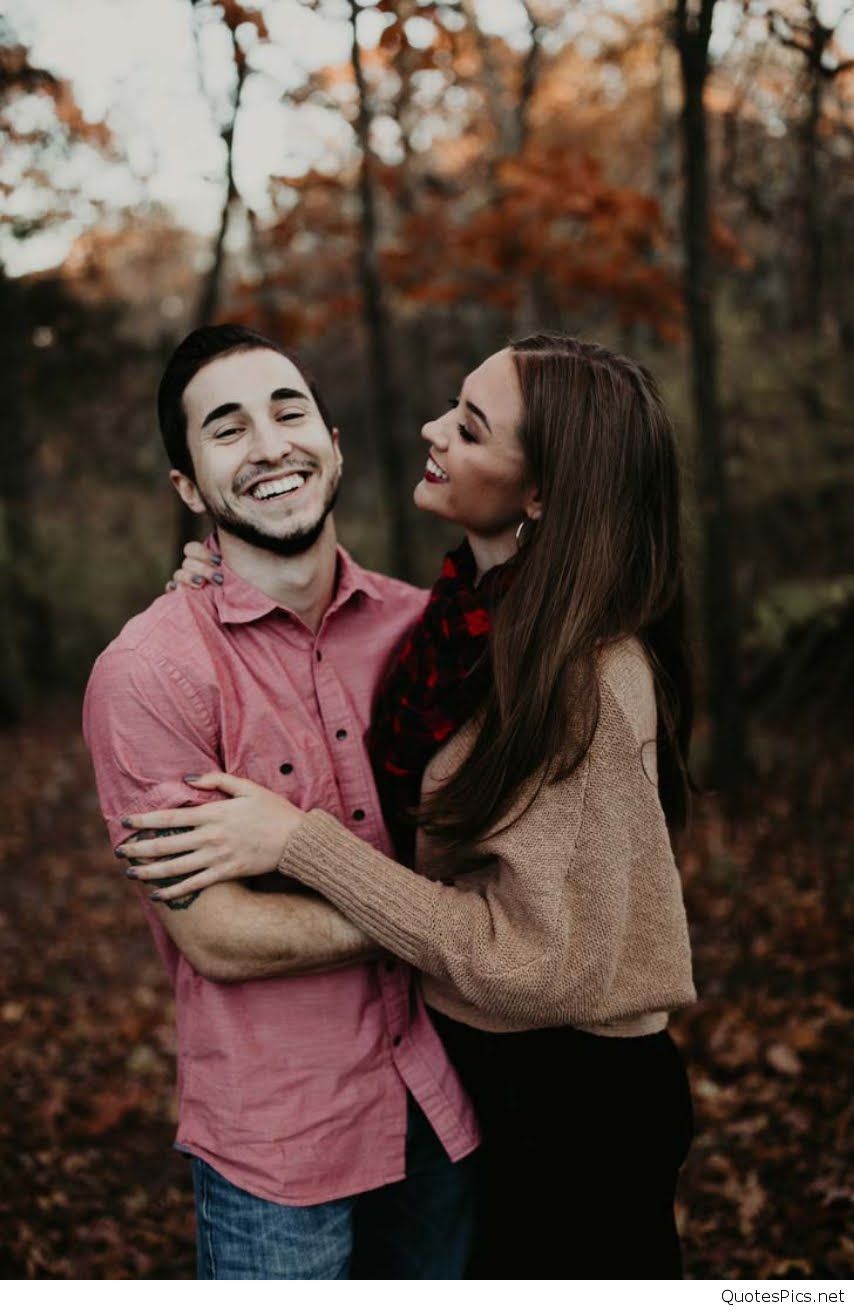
604 561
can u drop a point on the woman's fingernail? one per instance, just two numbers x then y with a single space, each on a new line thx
197 580
218 579
129 873
126 823
119 853
192 777
171 585
217 559
155 896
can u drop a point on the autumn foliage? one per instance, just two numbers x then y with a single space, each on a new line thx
464 187
94 1191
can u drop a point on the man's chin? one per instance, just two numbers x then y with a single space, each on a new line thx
287 544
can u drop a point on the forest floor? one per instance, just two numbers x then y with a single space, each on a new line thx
89 1187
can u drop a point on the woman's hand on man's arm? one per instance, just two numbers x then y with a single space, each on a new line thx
242 837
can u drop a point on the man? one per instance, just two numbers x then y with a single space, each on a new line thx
330 1136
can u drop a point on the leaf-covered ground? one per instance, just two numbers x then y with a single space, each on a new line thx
89 1187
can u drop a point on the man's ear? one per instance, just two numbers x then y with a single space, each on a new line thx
336 442
187 490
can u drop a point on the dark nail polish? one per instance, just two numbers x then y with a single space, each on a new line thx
197 580
218 579
217 559
119 853
155 896
191 777
126 823
129 873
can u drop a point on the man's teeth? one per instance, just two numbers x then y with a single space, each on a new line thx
435 471
265 490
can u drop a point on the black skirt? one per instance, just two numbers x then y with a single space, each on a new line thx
583 1140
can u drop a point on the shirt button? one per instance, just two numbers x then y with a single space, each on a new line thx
286 768
358 814
318 656
341 734
395 1041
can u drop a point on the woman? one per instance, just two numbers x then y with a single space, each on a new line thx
541 712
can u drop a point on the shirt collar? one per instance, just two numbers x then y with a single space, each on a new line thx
237 601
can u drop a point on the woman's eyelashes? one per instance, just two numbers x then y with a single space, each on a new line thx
464 432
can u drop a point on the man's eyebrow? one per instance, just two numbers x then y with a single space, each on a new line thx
287 393
230 407
475 409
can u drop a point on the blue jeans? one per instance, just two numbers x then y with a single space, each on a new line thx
418 1228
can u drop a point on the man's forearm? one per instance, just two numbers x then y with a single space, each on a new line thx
232 934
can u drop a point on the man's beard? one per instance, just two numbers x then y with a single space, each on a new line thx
296 543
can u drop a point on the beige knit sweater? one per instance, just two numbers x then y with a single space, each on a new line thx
577 917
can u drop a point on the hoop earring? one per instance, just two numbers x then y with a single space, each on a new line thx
519 531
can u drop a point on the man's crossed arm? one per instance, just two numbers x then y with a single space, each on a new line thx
146 726
233 934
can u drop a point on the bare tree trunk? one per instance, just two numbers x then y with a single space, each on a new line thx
811 194
28 639
391 464
812 39
210 293
728 754
211 290
505 116
511 115
530 75
266 292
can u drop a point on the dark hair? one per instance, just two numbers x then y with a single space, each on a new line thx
603 562
195 351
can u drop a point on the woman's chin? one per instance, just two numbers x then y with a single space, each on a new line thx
424 498
430 497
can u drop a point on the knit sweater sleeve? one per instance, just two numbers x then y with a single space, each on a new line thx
538 941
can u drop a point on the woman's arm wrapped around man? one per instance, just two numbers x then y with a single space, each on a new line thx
577 917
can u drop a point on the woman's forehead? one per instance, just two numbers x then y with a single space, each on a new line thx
494 387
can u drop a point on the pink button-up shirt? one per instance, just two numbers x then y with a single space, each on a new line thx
293 1088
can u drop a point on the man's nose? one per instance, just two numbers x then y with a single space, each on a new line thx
270 441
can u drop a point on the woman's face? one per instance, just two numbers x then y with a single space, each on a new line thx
475 471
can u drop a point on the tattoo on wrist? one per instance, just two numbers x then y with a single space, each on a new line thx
182 902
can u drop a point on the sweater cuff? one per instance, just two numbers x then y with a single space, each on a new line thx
386 900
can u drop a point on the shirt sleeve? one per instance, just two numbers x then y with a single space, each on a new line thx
537 942
146 725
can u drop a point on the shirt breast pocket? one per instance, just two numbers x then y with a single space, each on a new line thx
298 767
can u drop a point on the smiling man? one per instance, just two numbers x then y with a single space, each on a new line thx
279 497
329 1135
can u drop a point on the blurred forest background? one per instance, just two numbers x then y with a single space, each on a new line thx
395 187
